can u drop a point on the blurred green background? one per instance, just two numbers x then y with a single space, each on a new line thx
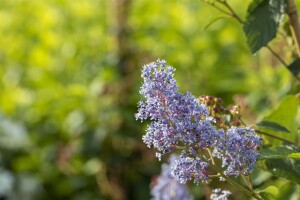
70 75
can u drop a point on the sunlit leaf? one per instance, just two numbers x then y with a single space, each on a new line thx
278 152
269 193
285 115
294 155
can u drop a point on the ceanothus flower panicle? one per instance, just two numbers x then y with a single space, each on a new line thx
180 122
177 119
167 187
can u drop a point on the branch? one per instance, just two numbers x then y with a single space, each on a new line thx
233 13
232 182
217 7
294 22
277 56
295 25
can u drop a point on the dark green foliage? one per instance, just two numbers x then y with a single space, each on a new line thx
294 67
284 168
272 126
262 22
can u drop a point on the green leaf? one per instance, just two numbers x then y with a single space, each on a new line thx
273 126
269 193
262 21
289 191
267 196
295 68
285 168
284 114
278 152
294 156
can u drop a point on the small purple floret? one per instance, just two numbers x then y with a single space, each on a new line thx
218 194
187 168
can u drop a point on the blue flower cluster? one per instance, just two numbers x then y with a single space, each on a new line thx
167 187
236 149
180 122
186 168
218 194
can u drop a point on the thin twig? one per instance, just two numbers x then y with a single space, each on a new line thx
231 181
211 157
292 13
249 178
217 7
233 14
277 56
214 175
280 59
248 182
